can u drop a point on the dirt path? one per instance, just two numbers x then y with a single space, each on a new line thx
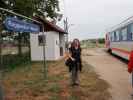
112 70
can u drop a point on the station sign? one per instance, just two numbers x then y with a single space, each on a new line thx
16 25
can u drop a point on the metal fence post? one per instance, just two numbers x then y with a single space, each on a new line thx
44 56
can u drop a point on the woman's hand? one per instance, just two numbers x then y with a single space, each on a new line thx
72 59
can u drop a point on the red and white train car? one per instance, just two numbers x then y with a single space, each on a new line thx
119 40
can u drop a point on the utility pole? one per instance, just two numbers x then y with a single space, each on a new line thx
67 31
1 60
0 50
44 55
1 63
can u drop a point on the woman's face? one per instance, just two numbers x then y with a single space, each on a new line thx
76 42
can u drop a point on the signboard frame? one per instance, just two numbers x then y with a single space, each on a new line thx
16 25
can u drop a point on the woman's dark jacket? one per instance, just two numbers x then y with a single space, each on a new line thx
76 54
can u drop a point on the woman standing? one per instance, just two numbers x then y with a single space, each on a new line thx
75 52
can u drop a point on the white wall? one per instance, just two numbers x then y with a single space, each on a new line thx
52 47
62 41
36 51
57 47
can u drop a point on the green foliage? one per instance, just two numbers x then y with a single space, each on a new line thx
55 97
10 62
91 43
2 4
101 40
72 97
25 7
54 88
44 8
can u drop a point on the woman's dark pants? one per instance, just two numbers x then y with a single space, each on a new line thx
74 74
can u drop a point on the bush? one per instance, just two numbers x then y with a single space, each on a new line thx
102 40
11 61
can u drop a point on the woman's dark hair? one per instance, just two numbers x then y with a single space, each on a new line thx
74 44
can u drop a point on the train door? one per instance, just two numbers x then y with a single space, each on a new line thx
107 41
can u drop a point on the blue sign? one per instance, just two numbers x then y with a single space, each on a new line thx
15 25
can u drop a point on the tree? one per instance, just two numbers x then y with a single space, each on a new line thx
2 3
44 8
101 40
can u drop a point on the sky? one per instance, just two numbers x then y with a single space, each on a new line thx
91 18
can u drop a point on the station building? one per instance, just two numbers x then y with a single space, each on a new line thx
54 42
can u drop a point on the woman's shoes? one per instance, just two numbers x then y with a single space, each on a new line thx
132 95
75 84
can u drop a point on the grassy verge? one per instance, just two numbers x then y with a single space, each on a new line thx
28 83
10 62
92 45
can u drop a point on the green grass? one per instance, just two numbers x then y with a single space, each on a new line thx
55 88
86 45
28 80
54 97
72 97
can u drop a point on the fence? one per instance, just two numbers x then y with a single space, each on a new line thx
11 56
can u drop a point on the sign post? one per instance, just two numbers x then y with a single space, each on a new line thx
16 25
13 24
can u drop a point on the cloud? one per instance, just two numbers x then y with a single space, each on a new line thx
95 16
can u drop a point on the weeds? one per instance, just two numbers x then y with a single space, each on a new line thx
10 62
55 88
28 81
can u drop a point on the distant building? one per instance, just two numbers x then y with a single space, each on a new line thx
55 42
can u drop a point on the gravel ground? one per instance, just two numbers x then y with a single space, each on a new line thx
112 70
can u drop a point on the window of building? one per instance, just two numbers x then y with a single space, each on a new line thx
117 35
56 42
124 34
40 40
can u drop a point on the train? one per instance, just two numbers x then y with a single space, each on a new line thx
119 39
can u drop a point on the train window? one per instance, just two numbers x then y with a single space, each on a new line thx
124 34
132 31
117 36
109 36
132 36
112 36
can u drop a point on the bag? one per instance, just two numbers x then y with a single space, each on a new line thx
68 62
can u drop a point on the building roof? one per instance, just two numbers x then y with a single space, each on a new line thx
49 26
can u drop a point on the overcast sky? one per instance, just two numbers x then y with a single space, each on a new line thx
91 18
